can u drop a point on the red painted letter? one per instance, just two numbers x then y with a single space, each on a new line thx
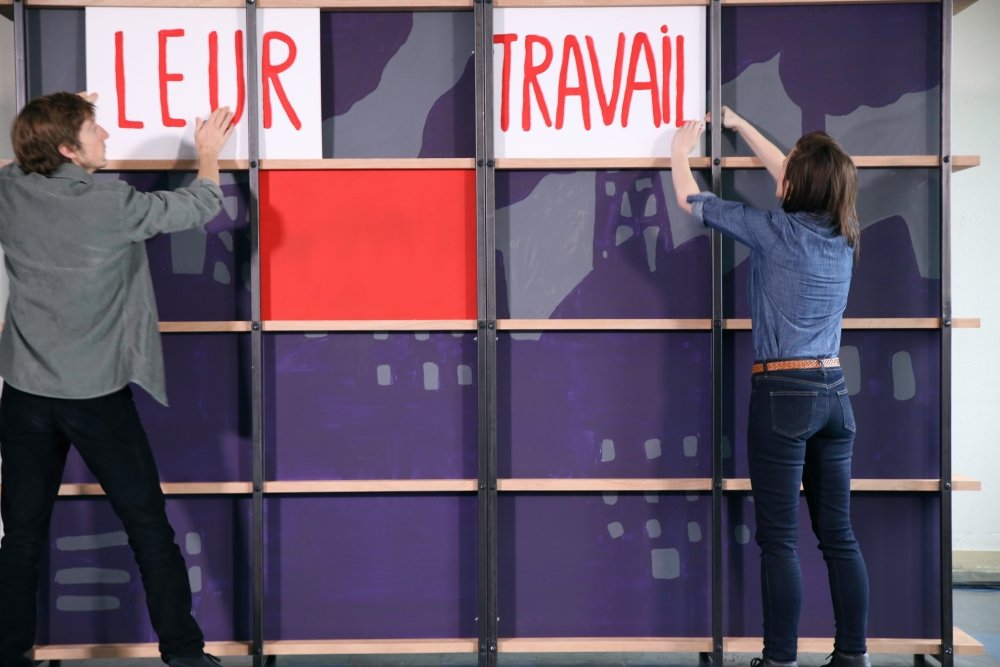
506 40
531 72
608 106
665 79
570 44
269 72
213 73
120 83
167 76
641 43
680 80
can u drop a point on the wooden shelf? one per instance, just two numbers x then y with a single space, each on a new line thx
372 4
862 161
877 323
964 644
370 646
373 486
604 484
102 651
158 165
369 325
735 324
739 484
169 488
370 163
205 327
605 645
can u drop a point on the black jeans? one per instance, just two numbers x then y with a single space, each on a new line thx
801 431
35 435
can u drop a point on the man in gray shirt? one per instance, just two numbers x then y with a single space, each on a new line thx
80 326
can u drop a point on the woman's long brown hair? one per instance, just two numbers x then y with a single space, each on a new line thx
821 178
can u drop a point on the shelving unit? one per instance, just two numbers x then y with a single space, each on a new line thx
440 504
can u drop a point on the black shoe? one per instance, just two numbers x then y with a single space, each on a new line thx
838 659
203 660
767 662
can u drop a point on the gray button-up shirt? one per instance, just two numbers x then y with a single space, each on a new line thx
81 319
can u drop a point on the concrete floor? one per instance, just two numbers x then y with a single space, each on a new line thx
977 611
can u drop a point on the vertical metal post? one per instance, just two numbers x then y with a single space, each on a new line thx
20 56
256 341
718 374
487 337
947 620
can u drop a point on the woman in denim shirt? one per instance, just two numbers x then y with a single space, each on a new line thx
801 426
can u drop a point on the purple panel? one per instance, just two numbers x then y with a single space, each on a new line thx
611 565
899 536
398 84
371 566
900 223
371 406
604 404
204 436
212 262
904 41
213 535
895 393
633 269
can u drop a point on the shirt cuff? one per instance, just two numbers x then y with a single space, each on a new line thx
698 204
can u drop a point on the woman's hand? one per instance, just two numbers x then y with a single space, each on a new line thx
730 119
686 138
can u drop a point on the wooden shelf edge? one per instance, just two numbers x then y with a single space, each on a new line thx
153 165
876 323
169 488
604 484
370 646
375 326
99 651
558 164
271 164
372 4
964 644
372 486
605 324
741 484
234 326
605 645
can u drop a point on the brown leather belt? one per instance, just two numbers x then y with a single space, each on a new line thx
796 364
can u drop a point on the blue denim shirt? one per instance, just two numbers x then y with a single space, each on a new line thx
800 274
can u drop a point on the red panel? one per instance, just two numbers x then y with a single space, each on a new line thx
368 245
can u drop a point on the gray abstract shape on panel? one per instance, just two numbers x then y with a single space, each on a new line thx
653 528
464 375
666 563
187 251
616 529
764 103
908 126
883 193
690 446
432 380
192 543
683 226
850 361
384 375
607 450
694 531
610 498
653 448
904 385
88 542
741 534
194 578
622 234
221 274
390 121
85 603
560 233
92 575
651 234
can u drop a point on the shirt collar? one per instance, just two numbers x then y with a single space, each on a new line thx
72 172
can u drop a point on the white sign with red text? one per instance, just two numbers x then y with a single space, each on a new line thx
610 82
156 69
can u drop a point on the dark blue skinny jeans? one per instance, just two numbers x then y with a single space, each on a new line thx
801 431
35 435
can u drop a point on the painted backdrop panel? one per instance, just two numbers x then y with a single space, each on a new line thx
606 244
605 565
398 84
899 536
204 435
370 566
604 404
397 405
894 381
368 244
91 590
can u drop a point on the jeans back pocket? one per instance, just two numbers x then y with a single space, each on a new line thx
847 410
792 412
